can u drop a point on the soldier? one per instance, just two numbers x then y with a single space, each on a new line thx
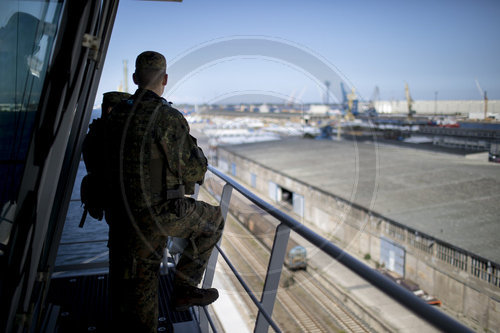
155 162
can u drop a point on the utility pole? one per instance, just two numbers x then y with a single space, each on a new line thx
435 102
485 98
485 105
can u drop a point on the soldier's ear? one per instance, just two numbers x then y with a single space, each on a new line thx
134 77
165 79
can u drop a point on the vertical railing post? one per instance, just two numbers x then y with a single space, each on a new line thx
196 191
212 262
224 206
273 276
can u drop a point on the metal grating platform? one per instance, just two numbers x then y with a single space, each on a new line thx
80 304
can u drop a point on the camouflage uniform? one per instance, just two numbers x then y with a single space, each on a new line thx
152 155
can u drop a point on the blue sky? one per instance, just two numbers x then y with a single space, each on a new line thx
434 46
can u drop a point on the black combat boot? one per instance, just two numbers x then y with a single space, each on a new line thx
187 296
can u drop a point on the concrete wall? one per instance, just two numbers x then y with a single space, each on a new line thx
359 233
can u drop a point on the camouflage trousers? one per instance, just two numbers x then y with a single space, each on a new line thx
136 248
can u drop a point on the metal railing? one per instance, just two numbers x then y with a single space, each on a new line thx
276 262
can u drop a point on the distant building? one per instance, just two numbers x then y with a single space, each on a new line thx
319 109
264 108
451 107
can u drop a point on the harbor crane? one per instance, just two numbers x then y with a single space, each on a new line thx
125 75
352 103
410 101
349 103
123 86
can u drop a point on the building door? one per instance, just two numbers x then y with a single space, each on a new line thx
253 180
273 191
233 169
392 255
298 204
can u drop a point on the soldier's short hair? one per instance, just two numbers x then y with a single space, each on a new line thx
150 66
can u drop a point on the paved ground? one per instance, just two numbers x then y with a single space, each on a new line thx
230 308
392 313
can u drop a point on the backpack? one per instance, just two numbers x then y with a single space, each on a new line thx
94 187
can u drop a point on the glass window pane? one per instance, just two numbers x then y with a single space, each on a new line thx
27 32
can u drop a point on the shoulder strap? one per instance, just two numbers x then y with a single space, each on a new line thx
161 145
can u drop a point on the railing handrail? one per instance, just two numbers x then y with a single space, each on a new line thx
390 288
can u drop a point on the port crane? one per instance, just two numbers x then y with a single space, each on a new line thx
349 103
410 101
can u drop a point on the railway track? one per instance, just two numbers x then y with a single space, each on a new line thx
306 317
305 321
331 304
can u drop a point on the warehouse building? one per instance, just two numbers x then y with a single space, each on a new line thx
427 216
471 108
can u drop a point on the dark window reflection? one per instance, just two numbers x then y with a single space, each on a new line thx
26 39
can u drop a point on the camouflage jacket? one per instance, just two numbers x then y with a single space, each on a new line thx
151 150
